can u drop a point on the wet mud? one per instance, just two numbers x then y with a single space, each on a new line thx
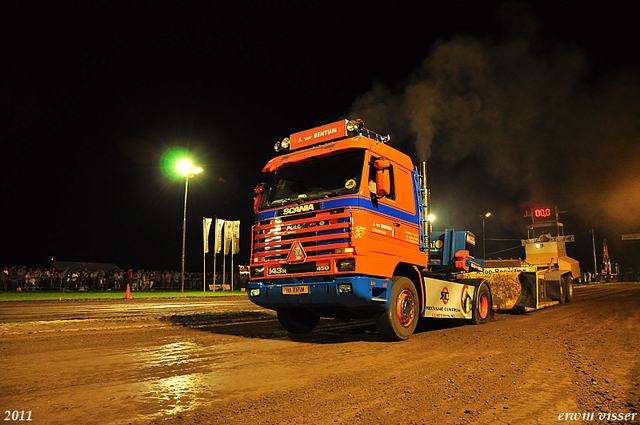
241 367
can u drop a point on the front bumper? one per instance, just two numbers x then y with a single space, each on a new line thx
367 294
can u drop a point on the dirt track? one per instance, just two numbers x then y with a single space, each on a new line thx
23 311
580 358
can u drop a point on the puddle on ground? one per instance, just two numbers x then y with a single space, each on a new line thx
180 376
172 354
179 393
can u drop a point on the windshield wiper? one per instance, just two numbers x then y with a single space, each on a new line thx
285 201
327 194
281 201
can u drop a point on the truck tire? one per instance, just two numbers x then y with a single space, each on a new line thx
399 321
568 288
563 291
482 305
298 321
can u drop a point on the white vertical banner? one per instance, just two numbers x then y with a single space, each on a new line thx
235 245
228 236
217 246
206 229
226 248
235 237
218 237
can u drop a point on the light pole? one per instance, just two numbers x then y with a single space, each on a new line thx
484 250
595 260
186 168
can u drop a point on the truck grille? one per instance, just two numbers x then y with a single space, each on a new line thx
320 233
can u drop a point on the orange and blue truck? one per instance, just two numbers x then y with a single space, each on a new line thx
342 230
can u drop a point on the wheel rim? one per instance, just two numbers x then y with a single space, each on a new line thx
483 305
406 308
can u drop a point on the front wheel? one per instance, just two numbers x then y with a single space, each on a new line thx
298 321
482 305
399 321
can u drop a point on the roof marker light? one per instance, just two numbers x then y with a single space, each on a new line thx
355 125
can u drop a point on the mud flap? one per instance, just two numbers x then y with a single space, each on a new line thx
553 290
528 290
553 282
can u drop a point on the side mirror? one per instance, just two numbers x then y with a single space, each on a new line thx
383 183
383 179
258 198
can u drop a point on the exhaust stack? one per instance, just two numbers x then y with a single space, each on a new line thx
426 210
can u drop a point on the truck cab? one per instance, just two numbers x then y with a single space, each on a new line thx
339 232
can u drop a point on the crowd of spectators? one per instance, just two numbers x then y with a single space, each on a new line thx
21 278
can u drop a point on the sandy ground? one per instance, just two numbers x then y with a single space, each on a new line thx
29 311
581 358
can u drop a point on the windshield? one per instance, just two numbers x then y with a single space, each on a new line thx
322 177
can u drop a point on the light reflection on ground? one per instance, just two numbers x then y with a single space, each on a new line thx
172 354
181 375
178 392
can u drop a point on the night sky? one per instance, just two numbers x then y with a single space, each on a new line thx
512 104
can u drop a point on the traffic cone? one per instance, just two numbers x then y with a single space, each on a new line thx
127 295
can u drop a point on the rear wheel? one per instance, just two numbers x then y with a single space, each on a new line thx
563 291
568 288
483 305
399 321
298 321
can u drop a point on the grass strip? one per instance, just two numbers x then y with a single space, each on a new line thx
110 295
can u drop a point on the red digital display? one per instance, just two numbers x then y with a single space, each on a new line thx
542 212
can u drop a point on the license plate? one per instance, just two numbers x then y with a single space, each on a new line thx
295 290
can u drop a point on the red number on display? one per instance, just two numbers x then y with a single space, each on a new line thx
542 212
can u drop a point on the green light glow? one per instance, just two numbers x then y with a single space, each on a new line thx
170 160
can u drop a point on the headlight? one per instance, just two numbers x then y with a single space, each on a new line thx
284 145
345 288
355 125
346 265
254 293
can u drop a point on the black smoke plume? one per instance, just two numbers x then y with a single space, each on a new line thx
512 122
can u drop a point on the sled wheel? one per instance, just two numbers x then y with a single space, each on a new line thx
399 321
298 321
483 305
568 288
